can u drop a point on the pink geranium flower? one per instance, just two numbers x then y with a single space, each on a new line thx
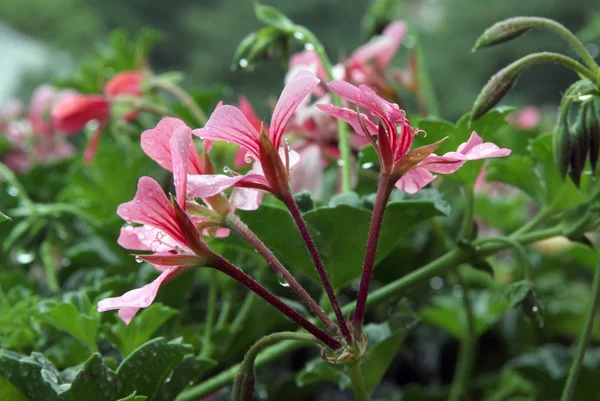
528 118
166 230
270 172
72 114
393 138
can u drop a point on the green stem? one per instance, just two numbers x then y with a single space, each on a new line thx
584 339
519 251
225 310
467 224
184 98
396 288
568 36
12 179
244 312
343 132
556 58
358 382
244 384
210 315
467 350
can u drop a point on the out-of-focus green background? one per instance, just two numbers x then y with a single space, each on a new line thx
39 38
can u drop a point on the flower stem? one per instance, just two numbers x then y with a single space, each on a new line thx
240 276
358 382
584 339
384 189
237 225
464 365
343 133
436 267
242 316
184 98
556 58
290 202
210 315
467 224
244 384
12 179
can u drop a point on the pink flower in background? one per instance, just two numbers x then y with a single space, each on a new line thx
73 113
35 138
164 231
393 138
8 112
528 118
273 162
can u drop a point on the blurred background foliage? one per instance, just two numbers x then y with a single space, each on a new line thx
201 36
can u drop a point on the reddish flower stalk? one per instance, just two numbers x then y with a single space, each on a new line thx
237 225
289 201
238 275
384 189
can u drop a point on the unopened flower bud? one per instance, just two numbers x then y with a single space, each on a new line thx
501 32
593 127
561 147
579 147
271 16
495 90
244 390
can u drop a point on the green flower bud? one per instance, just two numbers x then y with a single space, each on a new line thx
501 32
497 87
561 146
593 127
579 147
271 16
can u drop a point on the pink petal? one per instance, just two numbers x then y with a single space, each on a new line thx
248 111
39 109
206 185
351 117
306 60
370 50
292 95
146 238
367 98
150 206
246 198
395 32
227 123
414 180
308 174
528 118
130 303
473 141
155 143
180 150
446 164
92 146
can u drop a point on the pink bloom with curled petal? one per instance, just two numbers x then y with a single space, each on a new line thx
393 139
528 118
273 162
160 231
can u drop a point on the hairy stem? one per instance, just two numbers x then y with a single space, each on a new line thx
290 202
237 225
358 382
384 189
240 276
464 365
583 340
396 288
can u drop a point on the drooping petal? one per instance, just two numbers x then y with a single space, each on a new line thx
180 152
308 175
227 123
246 198
351 117
473 141
292 95
446 164
132 301
155 143
71 114
476 149
414 180
150 206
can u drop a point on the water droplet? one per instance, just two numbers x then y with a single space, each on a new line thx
282 281
138 259
299 35
243 63
340 163
367 165
458 291
65 262
24 257
436 282
309 47
583 98
12 191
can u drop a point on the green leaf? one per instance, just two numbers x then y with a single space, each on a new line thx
8 392
94 382
129 337
34 376
149 366
447 312
3 217
517 171
317 370
134 397
190 369
271 16
340 234
78 322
